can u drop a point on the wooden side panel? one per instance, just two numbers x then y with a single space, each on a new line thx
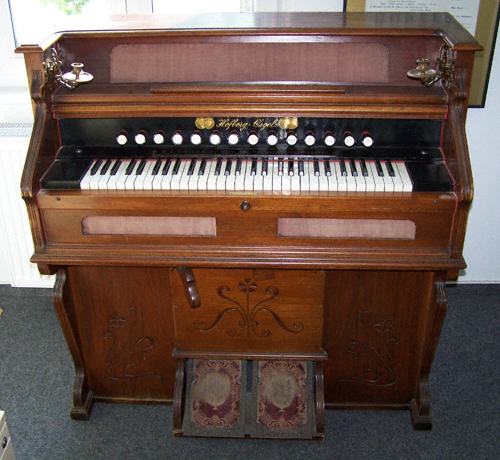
374 335
273 311
126 329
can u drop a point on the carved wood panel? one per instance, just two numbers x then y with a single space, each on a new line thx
126 329
251 311
375 326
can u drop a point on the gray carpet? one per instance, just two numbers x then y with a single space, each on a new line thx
36 377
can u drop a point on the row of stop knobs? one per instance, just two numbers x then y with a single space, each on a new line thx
215 138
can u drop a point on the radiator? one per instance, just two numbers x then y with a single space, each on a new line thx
15 230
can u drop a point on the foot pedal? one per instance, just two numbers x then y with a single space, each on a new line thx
258 399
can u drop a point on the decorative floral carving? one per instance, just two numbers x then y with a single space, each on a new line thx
248 314
127 350
381 370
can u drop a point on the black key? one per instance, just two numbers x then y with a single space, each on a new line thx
218 167
354 171
95 167
343 168
301 167
390 169
141 167
156 168
328 171
130 167
203 166
316 167
364 170
177 165
237 171
380 171
291 168
192 165
166 167
253 170
227 171
264 167
280 167
105 168
115 167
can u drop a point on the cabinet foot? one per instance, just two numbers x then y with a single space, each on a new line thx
83 412
420 421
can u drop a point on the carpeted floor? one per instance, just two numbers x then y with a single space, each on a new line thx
36 376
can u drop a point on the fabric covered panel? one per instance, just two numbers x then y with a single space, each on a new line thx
249 62
146 225
346 228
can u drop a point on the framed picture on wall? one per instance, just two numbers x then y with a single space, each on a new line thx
480 17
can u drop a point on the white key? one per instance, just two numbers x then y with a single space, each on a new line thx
211 177
113 179
194 178
360 179
295 179
258 180
239 181
350 179
181 179
378 181
103 181
156 182
231 177
88 177
313 179
130 178
167 178
322 178
94 179
276 176
267 178
143 182
203 179
341 180
388 182
369 179
405 177
249 178
305 184
221 178
332 178
286 179
121 177
398 183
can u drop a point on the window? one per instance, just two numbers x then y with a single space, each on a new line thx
43 17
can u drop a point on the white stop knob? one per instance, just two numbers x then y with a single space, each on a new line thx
272 139
159 138
215 138
140 138
177 138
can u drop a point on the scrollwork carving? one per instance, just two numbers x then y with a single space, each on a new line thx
382 368
247 313
127 347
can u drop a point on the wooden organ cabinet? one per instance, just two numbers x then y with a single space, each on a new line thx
252 216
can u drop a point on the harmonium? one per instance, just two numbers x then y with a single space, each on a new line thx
252 216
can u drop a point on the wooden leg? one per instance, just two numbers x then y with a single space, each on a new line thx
421 404
63 303
421 407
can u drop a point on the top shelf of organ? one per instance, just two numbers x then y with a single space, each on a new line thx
295 63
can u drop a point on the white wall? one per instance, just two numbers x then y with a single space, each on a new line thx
482 243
